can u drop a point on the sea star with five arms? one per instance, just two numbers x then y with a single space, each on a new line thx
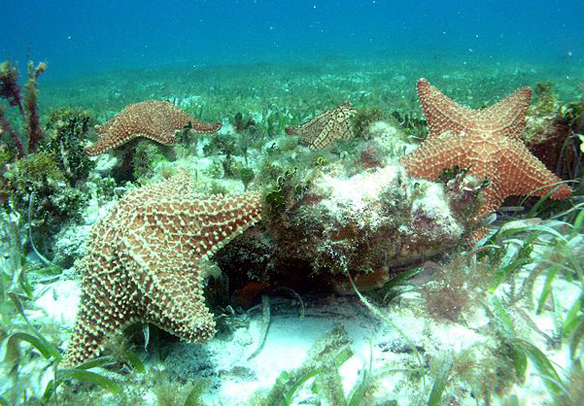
326 128
155 120
143 263
487 142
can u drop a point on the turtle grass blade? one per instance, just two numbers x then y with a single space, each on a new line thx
541 200
574 315
298 383
358 391
133 359
393 288
82 376
339 360
579 221
547 289
54 352
44 347
543 365
508 329
513 260
194 395
440 383
96 363
576 337
376 312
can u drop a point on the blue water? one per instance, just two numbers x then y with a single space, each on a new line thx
83 36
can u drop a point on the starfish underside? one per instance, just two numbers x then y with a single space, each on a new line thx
326 128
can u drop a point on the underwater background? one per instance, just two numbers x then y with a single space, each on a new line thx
81 37
276 203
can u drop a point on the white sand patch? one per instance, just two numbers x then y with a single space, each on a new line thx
59 301
290 338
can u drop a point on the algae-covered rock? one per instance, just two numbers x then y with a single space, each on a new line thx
369 225
66 130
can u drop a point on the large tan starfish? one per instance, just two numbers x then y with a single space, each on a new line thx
143 261
487 142
156 120
326 128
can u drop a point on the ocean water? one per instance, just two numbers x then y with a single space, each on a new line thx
80 37
491 321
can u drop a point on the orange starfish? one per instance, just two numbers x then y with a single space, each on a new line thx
143 263
156 120
487 142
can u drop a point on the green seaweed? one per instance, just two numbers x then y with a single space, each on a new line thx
361 121
66 131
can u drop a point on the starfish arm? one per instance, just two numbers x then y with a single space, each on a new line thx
305 126
182 119
507 116
166 138
330 129
435 155
313 130
443 114
172 298
164 264
343 121
532 178
104 128
103 310
167 251
91 330
204 127
292 129
106 143
180 184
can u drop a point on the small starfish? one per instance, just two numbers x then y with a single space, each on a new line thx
156 120
487 142
143 263
327 127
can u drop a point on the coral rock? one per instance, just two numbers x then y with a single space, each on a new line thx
487 142
369 225
143 263
156 120
327 127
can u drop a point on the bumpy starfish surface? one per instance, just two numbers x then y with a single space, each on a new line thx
156 120
487 142
327 127
143 263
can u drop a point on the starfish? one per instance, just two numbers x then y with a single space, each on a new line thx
327 127
487 142
143 263
156 120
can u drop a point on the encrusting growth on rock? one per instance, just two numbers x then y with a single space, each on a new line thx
486 142
143 263
326 128
156 120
